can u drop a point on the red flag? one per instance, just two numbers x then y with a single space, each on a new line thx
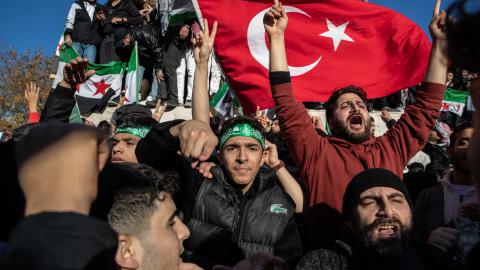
330 44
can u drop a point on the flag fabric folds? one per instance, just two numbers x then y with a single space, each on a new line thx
224 101
94 94
132 80
455 101
330 44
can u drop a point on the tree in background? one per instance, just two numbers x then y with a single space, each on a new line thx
16 70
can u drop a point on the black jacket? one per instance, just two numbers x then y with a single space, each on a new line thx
226 226
85 30
59 105
149 40
352 256
175 48
125 9
61 240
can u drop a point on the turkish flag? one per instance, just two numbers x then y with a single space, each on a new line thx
330 44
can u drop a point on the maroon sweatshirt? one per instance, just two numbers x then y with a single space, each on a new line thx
327 164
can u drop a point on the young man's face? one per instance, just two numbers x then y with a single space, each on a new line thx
275 126
162 245
350 118
126 41
242 158
459 148
383 220
449 76
124 146
184 30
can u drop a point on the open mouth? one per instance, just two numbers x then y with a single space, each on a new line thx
387 230
356 121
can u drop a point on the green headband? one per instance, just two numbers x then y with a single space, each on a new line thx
243 130
140 132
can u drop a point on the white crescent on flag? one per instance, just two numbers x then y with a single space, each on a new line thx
258 47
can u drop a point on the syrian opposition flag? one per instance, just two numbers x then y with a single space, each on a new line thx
94 94
132 80
224 101
330 44
182 11
454 101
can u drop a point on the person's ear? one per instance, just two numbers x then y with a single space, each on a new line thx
126 255
264 157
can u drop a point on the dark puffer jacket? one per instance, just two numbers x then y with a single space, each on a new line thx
227 226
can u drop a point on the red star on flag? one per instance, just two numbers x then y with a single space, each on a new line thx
445 106
101 87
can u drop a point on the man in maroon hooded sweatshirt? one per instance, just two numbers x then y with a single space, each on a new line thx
327 164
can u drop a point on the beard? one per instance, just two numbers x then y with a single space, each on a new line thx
390 248
340 129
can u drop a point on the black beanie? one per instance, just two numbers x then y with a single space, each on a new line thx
118 36
367 179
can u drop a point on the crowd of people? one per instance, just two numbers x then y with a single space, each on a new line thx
249 192
109 32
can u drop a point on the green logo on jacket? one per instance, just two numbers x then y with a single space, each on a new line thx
278 209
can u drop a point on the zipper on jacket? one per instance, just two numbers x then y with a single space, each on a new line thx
238 229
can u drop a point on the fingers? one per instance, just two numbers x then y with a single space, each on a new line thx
205 168
205 27
157 106
214 32
208 149
276 2
436 10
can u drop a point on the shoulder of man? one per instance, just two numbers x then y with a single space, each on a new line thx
322 259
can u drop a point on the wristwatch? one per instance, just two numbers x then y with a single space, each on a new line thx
278 166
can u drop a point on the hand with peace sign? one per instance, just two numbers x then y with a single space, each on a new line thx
202 48
203 43
437 26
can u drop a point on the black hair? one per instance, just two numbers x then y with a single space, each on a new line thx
462 126
105 126
136 122
330 104
134 201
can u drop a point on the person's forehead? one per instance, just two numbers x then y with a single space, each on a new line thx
348 97
465 134
165 208
125 136
242 140
380 191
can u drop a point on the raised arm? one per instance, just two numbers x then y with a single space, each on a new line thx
275 22
61 101
437 69
410 133
289 184
202 46
31 96
297 129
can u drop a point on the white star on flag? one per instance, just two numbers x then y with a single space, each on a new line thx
336 33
